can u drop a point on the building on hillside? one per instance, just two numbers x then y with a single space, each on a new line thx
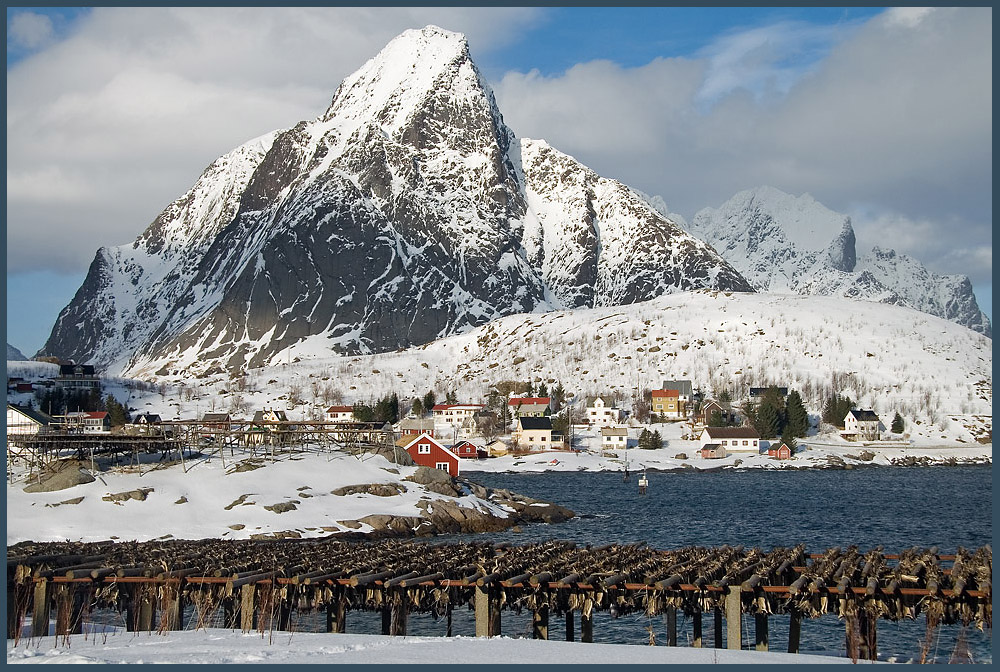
724 408
24 420
733 439
339 414
77 377
268 426
214 424
416 426
757 393
613 438
455 420
427 451
529 407
668 404
533 433
782 452
148 424
600 413
87 422
862 425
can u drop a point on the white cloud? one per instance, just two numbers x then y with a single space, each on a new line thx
28 30
897 116
108 126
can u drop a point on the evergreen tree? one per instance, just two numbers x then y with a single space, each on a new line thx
543 391
429 401
715 419
558 396
417 408
117 413
450 397
363 412
656 441
796 416
897 424
645 438
767 421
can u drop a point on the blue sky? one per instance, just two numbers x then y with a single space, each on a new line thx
114 112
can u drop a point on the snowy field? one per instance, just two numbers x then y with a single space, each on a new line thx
237 648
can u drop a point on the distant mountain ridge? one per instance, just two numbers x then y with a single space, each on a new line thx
15 355
784 243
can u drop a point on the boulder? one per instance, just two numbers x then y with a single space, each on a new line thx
59 475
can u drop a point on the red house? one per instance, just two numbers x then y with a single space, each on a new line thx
427 452
468 450
782 452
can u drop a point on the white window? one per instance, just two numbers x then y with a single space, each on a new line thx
443 466
424 449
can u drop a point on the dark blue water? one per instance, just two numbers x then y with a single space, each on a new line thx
895 508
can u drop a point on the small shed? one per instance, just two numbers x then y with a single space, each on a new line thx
713 451
782 452
468 450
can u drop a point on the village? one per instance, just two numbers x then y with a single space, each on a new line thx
517 419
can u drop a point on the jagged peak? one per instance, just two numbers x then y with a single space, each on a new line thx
399 75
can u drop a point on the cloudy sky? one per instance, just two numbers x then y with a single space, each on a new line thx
885 115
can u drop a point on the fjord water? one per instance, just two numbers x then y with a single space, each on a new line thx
895 508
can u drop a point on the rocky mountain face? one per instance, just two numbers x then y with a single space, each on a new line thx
789 244
14 355
406 212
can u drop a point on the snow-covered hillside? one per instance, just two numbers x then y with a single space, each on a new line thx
887 358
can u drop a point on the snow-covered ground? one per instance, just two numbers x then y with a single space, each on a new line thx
234 647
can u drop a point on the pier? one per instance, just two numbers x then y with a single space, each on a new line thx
268 585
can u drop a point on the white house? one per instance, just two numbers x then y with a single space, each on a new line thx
533 433
733 439
862 426
601 414
613 438
89 422
455 420
339 414
23 420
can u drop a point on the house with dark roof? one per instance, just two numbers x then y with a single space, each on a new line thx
733 439
862 425
77 377
533 433
24 420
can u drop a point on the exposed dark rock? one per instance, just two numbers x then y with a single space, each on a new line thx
59 475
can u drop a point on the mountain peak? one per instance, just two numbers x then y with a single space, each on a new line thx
395 80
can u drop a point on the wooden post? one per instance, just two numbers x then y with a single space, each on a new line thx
869 636
482 611
145 608
285 609
40 613
717 613
734 635
540 622
794 630
248 610
570 635
387 614
494 612
336 612
760 632
586 627
399 611
64 608
670 617
696 628
173 607
448 633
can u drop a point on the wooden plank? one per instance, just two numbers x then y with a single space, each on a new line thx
734 633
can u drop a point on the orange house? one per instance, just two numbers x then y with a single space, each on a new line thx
668 403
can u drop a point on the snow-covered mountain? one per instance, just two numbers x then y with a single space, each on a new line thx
784 243
407 211
14 355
